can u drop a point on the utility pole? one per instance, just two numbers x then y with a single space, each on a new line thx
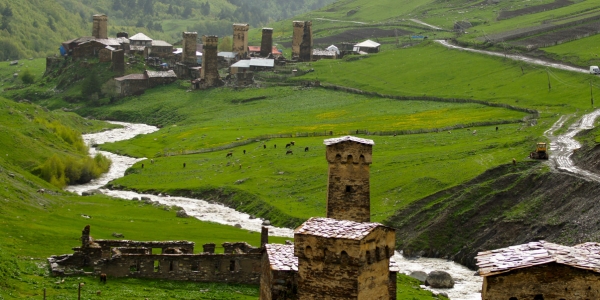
549 86
592 93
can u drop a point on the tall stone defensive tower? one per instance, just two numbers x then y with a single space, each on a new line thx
240 40
189 48
266 44
100 27
297 38
306 47
210 60
348 195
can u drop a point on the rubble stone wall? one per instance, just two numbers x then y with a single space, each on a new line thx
240 40
227 268
276 284
551 281
348 196
118 61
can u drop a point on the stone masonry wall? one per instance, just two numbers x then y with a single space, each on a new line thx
297 38
210 61
348 196
100 27
118 61
306 47
240 40
227 268
189 48
277 285
551 281
266 44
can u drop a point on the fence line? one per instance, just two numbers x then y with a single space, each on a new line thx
533 114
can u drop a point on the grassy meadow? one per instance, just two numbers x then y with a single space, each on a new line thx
582 52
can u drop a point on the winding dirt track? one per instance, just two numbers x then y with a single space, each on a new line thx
561 146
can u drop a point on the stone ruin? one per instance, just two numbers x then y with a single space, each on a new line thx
240 262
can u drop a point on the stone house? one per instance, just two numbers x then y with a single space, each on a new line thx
319 54
367 46
134 84
540 271
160 49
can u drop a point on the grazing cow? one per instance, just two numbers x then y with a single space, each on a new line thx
229 154
289 152
240 166
288 145
41 191
98 293
275 146
474 131
184 165
293 143
103 278
244 151
514 162
142 166
306 149
152 161
264 146
496 128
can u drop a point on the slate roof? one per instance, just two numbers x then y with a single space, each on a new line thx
319 52
254 62
140 37
584 256
340 229
132 77
160 43
163 74
330 142
281 258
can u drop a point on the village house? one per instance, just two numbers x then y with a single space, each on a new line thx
252 65
366 47
134 84
540 271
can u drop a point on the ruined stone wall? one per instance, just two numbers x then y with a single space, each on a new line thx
226 268
210 61
348 196
106 245
53 63
127 88
118 62
100 27
240 40
551 281
306 47
297 38
189 48
266 44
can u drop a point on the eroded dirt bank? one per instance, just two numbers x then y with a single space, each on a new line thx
504 206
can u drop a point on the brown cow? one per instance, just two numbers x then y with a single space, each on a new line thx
103 278
289 152
229 154
306 149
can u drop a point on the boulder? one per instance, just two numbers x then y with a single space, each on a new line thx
266 223
419 275
145 198
439 279
182 214
237 226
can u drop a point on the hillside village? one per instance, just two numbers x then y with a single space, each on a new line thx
460 141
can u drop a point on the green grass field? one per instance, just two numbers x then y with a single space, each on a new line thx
582 52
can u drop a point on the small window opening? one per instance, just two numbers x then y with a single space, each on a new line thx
338 157
171 266
344 259
348 189
195 266
349 158
538 297
134 268
513 298
156 266
232 265
377 254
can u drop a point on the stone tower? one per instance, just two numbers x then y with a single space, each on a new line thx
348 195
100 27
189 48
306 47
266 44
339 259
210 60
240 40
297 38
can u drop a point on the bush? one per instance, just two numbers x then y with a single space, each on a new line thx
27 77
71 136
72 170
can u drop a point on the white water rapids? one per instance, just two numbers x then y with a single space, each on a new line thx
467 285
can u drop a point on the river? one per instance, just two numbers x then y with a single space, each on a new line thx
467 285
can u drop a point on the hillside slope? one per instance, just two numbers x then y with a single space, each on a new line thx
504 206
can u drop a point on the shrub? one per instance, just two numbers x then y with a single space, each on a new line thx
27 77
71 136
72 170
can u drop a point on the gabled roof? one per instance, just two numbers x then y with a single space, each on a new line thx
254 62
161 43
368 44
340 229
585 256
132 77
140 37
275 51
348 138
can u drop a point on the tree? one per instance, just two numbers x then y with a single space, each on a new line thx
225 44
170 10
187 12
140 23
205 8
109 89
91 86
7 12
27 77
